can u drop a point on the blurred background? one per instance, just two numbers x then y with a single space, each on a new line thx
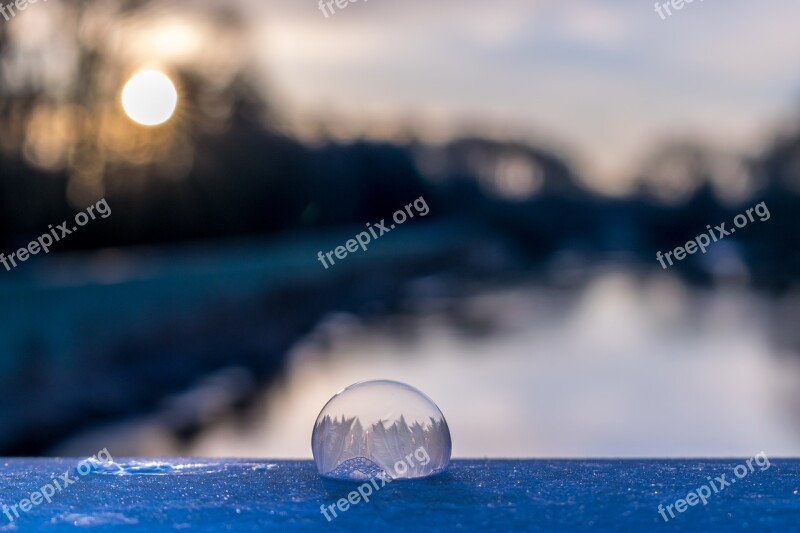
559 145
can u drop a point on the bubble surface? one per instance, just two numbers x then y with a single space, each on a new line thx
380 429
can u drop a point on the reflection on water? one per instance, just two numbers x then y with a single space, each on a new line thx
625 367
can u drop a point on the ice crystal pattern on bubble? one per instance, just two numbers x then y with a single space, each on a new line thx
345 450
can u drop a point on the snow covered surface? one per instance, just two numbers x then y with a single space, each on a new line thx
490 495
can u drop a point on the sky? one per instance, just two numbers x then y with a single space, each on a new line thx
602 82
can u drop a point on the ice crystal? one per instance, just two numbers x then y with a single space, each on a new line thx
380 428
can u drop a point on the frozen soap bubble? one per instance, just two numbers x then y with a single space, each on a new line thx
380 429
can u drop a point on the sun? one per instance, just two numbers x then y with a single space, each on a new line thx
149 98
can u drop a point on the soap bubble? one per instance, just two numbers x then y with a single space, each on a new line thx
380 429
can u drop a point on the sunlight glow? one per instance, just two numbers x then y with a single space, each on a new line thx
149 97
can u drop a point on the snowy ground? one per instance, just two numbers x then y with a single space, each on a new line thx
487 495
